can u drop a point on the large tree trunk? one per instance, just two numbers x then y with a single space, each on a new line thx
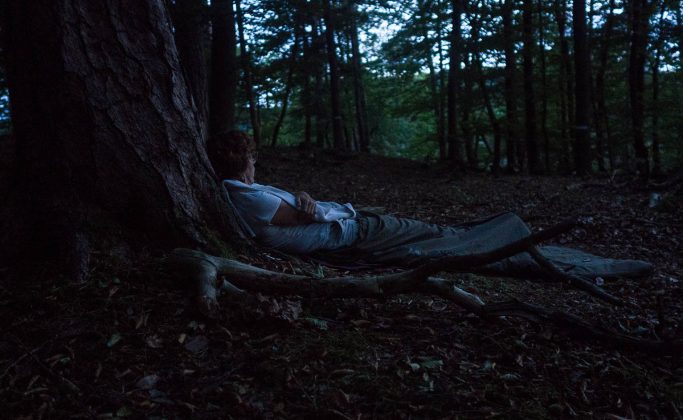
510 102
190 21
107 136
224 67
639 14
529 99
582 90
247 74
335 91
454 141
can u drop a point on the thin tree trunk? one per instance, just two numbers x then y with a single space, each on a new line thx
433 81
510 102
495 166
306 95
601 129
544 90
358 88
442 87
582 90
224 68
335 93
529 99
318 48
599 134
454 140
565 84
639 15
248 82
467 129
656 155
112 161
190 21
288 89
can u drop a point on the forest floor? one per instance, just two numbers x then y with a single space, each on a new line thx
130 343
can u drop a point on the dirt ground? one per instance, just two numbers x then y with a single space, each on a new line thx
130 343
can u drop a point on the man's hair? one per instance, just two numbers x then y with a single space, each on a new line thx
229 153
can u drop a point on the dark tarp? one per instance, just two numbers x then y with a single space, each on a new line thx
389 240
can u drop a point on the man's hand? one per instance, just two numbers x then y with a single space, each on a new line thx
305 204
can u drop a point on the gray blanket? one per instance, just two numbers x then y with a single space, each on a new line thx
389 240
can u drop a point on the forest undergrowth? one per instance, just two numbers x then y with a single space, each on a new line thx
130 343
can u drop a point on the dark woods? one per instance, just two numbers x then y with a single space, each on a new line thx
520 86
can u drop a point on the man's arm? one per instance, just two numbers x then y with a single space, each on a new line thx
287 215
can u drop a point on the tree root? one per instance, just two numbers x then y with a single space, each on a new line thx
205 270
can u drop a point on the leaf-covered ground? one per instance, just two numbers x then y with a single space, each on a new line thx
131 344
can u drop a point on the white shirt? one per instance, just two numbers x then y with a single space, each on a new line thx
334 225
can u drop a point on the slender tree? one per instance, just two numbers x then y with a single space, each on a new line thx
510 70
335 91
601 122
358 88
454 140
529 99
544 84
247 74
288 87
565 82
481 79
655 64
582 89
639 17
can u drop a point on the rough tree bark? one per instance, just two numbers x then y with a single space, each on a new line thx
107 150
582 90
190 21
224 67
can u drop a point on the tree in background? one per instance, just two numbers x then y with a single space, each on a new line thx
335 91
582 88
639 17
392 84
454 140
532 158
512 143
